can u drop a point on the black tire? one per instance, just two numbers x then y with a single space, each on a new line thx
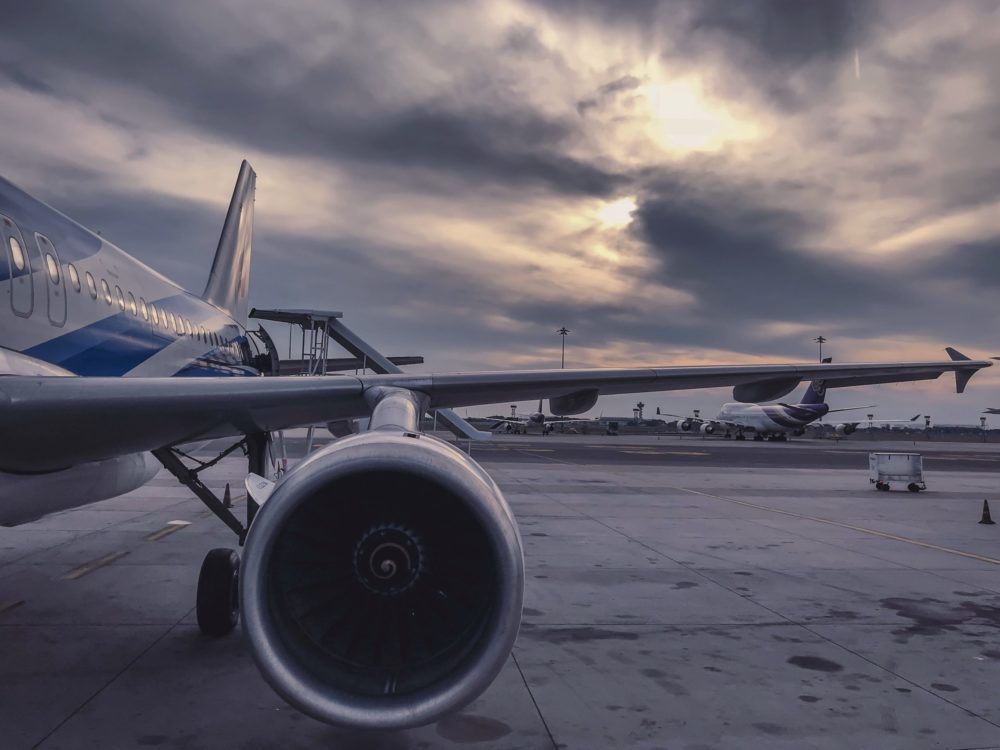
913 487
218 604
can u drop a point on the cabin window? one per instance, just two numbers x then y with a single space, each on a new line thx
52 267
132 305
106 290
16 254
91 284
154 315
143 309
74 276
120 297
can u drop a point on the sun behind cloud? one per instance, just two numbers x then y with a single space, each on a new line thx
617 213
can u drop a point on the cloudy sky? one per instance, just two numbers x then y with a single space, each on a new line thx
679 182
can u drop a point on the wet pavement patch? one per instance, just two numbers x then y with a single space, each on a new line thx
934 617
768 728
815 663
684 585
808 699
944 687
466 728
575 635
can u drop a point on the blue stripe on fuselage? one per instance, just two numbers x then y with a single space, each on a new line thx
117 344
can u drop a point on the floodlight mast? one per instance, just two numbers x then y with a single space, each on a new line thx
564 331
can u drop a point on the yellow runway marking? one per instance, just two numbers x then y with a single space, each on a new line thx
842 525
170 528
90 567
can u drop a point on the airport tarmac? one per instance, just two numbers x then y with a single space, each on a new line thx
668 604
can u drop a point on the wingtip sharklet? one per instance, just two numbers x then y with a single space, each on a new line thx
963 376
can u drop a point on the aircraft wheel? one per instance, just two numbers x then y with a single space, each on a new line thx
758 437
218 603
740 436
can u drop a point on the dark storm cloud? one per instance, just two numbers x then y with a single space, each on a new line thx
976 263
262 97
725 247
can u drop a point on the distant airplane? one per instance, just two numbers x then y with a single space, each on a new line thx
992 410
776 421
521 424
382 578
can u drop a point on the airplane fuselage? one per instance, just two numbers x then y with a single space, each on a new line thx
71 299
771 418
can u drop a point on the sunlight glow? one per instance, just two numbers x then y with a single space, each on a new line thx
682 118
617 213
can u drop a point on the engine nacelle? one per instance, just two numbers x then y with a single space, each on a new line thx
686 425
382 582
707 428
845 429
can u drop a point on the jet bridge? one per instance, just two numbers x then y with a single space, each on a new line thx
320 327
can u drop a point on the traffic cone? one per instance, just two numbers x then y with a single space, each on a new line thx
227 500
986 519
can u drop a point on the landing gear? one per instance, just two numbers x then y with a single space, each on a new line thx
218 603
740 435
218 607
757 437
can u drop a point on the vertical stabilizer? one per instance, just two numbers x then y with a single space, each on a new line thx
816 392
229 280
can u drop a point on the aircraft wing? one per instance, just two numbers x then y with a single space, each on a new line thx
914 418
52 422
851 408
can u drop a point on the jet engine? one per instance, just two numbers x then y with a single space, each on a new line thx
382 582
686 425
707 428
845 429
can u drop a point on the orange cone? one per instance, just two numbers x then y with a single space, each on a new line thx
986 519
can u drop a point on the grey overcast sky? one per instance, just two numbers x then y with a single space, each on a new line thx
676 182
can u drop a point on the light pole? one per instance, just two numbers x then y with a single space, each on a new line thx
564 331
820 340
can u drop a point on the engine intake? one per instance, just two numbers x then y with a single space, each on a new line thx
382 582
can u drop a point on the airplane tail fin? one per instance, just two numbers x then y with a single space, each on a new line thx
229 280
816 392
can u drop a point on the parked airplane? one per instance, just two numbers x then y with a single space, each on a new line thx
540 418
776 421
382 577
